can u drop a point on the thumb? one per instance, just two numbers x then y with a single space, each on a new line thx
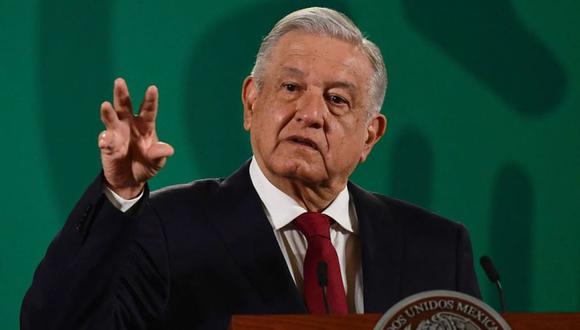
159 151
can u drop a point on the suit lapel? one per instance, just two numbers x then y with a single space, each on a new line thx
382 242
240 221
242 224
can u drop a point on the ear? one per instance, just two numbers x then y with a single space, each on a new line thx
249 92
376 128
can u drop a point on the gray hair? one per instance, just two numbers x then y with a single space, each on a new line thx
318 20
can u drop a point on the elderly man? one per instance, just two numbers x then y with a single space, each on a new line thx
286 233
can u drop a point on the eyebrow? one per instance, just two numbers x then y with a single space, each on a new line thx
342 84
293 71
333 84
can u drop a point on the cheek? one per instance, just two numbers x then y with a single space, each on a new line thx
267 124
346 142
274 117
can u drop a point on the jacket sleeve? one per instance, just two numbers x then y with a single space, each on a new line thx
466 277
103 270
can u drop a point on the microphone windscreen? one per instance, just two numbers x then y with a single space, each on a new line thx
490 270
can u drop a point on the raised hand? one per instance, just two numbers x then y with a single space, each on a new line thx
131 153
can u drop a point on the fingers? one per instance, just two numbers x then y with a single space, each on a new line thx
148 109
108 115
121 99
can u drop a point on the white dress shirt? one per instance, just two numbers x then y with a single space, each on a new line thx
281 210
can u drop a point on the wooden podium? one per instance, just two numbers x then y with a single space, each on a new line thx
518 321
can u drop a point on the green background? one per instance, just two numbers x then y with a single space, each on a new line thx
483 107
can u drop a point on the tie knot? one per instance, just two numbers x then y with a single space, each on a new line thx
314 224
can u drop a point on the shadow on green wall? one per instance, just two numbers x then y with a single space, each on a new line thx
488 40
220 61
511 231
74 72
411 170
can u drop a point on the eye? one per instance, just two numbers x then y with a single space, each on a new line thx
290 87
335 99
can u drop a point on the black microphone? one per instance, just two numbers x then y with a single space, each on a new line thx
493 276
322 274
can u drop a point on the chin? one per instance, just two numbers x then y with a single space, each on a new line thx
300 169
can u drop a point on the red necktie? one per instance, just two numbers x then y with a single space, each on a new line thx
316 228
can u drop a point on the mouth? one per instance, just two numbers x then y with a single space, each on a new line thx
304 142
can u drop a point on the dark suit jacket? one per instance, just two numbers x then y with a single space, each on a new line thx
192 255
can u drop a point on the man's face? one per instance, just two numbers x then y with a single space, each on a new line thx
309 120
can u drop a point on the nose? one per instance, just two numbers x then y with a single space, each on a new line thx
310 109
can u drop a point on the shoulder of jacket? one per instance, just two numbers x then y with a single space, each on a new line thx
194 191
412 216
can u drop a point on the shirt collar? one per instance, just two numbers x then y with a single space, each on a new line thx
281 209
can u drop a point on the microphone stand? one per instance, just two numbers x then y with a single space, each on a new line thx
493 276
